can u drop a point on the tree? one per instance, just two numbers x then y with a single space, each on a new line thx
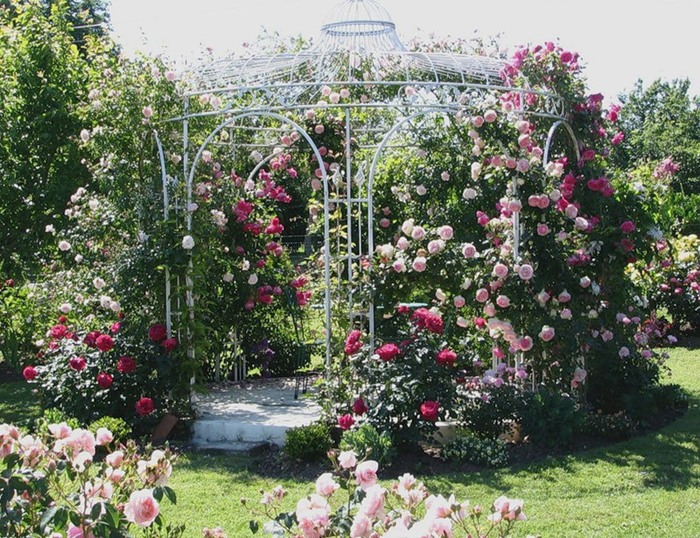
662 121
41 85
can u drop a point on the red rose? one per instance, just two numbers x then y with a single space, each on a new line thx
429 410
425 319
29 373
157 332
10 283
359 407
126 365
345 421
104 380
104 342
353 343
388 352
58 331
169 344
62 319
446 357
145 407
90 338
77 363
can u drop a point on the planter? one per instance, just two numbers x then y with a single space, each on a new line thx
446 432
165 426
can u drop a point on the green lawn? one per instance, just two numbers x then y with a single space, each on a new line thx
648 486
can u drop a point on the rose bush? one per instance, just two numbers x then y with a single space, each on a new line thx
404 508
54 485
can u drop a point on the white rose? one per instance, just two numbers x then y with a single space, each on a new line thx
188 242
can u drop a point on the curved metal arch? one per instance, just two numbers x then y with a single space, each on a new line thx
370 186
550 138
166 214
326 196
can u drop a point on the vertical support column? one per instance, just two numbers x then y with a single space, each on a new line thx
189 297
348 209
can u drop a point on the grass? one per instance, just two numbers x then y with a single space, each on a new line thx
18 404
647 486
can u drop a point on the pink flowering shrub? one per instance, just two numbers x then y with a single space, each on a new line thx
54 484
403 508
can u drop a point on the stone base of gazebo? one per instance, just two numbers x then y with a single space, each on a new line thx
243 416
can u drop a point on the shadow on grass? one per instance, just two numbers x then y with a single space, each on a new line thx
18 404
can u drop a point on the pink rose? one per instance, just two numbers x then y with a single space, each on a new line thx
564 297
547 333
445 232
103 437
325 485
542 230
388 351
77 363
29 373
419 264
436 246
345 421
361 526
482 295
347 459
500 270
446 357
526 272
468 250
366 474
418 233
459 301
503 301
142 508
566 314
627 226
525 343
104 342
115 459
373 503
429 410
145 406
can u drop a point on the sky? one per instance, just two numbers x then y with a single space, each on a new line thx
620 41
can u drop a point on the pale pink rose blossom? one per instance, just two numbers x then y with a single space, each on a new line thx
526 272
503 301
490 116
542 230
147 112
482 295
571 211
373 503
419 264
564 297
115 459
436 246
142 508
566 314
60 431
525 343
366 474
103 437
500 270
489 310
347 459
445 232
624 352
325 485
469 250
507 509
361 526
418 233
585 282
459 301
547 333
402 243
399 266
445 176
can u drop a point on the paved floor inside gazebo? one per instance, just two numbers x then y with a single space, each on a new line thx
243 416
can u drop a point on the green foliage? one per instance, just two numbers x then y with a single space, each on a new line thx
368 443
53 415
42 80
615 427
477 450
550 418
121 431
308 443
18 324
491 414
662 120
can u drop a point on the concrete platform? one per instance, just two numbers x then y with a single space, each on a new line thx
242 416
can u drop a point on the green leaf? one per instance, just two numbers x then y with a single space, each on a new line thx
48 516
254 526
170 494
158 494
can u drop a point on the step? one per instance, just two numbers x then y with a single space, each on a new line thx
250 413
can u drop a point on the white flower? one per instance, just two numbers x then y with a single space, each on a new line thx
143 236
105 301
114 306
253 279
65 308
256 156
64 246
228 277
49 229
84 135
78 258
188 242
98 283
93 204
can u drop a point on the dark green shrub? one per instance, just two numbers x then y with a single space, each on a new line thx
616 427
367 441
492 415
670 397
121 431
467 448
551 418
308 443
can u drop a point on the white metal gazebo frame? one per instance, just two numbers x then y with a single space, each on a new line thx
359 32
